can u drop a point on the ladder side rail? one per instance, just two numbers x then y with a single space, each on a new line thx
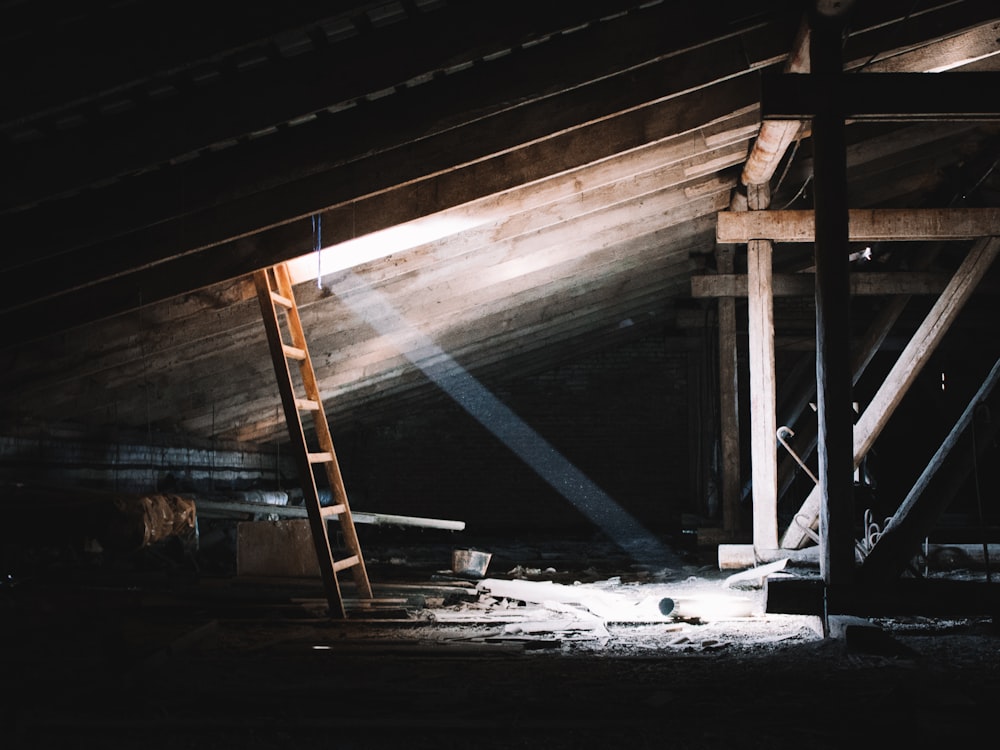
323 435
317 523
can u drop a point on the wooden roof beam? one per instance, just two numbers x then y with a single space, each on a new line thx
776 134
865 225
882 97
437 304
150 265
538 207
804 284
156 130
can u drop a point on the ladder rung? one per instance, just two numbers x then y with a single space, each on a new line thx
320 458
282 300
306 404
332 510
347 562
293 352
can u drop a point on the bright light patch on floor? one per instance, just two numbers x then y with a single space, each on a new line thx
712 606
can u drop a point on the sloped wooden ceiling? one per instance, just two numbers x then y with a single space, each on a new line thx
573 155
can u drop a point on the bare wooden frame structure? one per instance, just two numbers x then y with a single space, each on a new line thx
831 226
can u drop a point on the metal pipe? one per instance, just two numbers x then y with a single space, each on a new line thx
782 431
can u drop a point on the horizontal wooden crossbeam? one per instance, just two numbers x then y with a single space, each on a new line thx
864 225
881 96
804 284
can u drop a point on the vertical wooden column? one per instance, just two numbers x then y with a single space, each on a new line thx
763 421
729 407
833 350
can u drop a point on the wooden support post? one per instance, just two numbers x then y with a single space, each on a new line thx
698 470
729 410
833 345
763 422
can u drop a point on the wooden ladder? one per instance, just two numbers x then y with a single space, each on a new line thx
274 291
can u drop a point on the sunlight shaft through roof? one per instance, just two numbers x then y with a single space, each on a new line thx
376 245
483 406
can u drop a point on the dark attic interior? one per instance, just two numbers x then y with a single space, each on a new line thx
553 374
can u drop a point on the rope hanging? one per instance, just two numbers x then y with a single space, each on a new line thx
317 227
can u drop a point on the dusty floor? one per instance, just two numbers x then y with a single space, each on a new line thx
100 658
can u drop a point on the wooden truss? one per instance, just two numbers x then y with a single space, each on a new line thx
827 99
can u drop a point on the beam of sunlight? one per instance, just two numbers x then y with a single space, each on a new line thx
376 310
375 245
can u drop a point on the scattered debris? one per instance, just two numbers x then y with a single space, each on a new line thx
756 574
603 604
470 563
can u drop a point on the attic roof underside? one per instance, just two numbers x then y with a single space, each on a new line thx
575 155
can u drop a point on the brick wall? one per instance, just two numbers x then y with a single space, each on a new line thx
136 465
616 422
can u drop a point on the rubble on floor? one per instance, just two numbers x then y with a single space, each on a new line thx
565 645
